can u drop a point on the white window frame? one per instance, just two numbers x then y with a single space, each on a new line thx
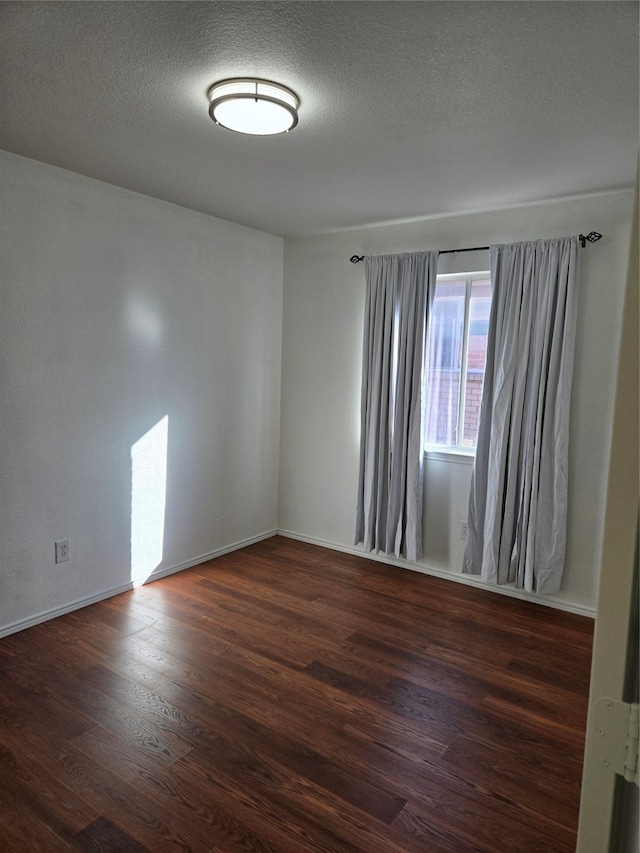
456 452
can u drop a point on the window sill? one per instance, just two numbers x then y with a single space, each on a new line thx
456 456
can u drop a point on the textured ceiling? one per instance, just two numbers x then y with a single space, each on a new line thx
408 109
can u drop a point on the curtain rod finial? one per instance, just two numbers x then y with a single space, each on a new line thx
355 259
592 237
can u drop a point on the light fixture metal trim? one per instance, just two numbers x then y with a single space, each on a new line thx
239 90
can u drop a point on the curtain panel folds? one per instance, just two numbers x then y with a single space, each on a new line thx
518 502
400 291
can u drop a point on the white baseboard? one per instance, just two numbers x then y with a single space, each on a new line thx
457 577
162 572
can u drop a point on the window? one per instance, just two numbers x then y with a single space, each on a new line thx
456 358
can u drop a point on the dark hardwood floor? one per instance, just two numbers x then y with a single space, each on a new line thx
294 699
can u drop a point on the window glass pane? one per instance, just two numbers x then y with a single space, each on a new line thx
444 364
479 308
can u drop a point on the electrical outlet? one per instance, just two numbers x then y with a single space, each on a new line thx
463 530
62 551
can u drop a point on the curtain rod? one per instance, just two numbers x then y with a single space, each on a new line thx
592 237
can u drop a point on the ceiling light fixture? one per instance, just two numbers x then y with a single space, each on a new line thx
259 107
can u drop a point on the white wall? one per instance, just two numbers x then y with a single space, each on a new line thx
118 310
321 364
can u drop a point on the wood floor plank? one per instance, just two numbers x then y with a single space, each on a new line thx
538 792
266 816
287 698
52 716
306 706
156 782
464 827
145 703
301 815
569 668
132 728
41 795
103 835
222 722
140 816
221 628
44 643
23 829
442 664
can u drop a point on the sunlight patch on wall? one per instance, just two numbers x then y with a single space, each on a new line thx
148 499
144 321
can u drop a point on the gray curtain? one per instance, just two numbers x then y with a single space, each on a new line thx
518 502
400 290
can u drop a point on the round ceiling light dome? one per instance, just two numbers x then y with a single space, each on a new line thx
259 107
